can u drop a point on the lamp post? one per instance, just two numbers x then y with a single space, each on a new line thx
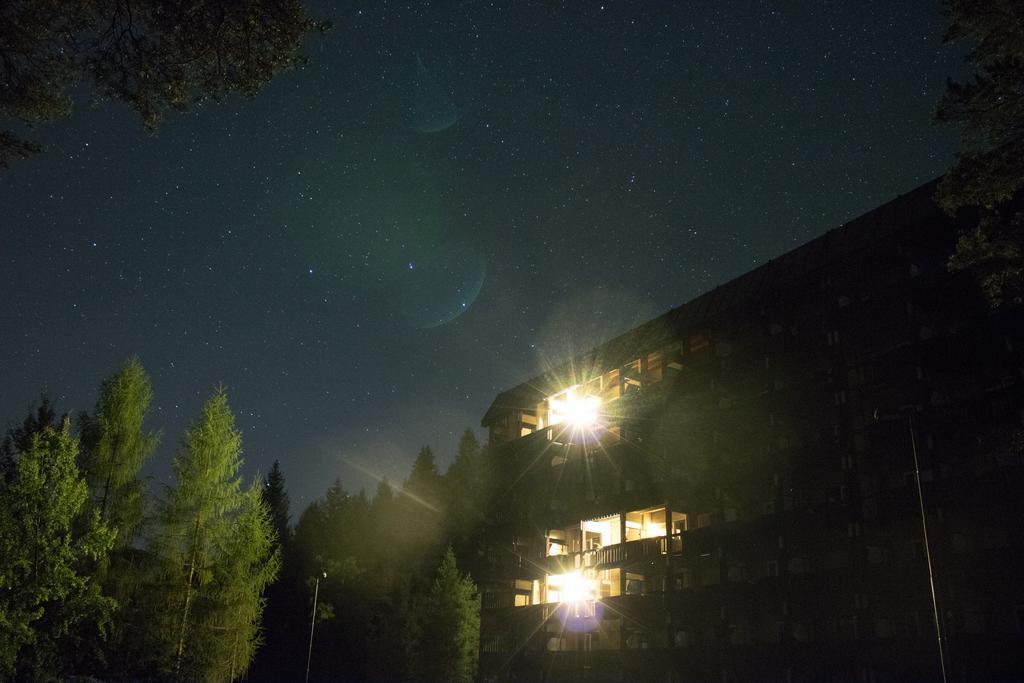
312 623
927 546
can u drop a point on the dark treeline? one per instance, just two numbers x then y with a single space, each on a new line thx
394 604
209 579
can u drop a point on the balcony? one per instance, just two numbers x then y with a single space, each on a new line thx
616 555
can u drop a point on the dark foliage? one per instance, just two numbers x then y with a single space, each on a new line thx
156 56
988 176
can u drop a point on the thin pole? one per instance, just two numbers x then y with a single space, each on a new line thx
927 547
312 625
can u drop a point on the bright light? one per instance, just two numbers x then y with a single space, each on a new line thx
579 608
573 587
579 411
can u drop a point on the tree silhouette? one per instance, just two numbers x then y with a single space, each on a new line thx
442 633
154 55
989 172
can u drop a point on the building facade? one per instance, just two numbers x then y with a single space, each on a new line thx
729 492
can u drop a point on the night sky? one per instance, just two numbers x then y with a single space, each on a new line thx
447 198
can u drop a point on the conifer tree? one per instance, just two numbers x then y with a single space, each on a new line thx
251 560
20 438
421 509
115 446
442 632
284 632
988 175
466 490
424 480
47 602
212 542
276 498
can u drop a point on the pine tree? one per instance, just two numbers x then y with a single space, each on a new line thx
442 632
466 490
420 507
284 632
19 439
424 480
212 542
115 447
251 560
989 172
47 602
276 498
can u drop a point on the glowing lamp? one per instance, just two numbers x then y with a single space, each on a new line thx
579 412
579 608
573 587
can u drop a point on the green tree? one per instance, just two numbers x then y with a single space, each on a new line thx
213 540
115 446
154 55
47 603
251 560
19 438
988 176
283 615
442 632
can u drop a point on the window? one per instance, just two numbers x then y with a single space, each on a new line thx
491 643
558 644
654 366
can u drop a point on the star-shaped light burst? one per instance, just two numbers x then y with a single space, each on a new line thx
579 412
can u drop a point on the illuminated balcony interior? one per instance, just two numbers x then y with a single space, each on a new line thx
602 532
571 587
583 405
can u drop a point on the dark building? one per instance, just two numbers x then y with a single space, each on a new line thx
729 492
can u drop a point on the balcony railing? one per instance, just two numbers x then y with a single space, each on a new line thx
615 555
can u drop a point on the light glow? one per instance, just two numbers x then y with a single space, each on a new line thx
580 412
571 588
